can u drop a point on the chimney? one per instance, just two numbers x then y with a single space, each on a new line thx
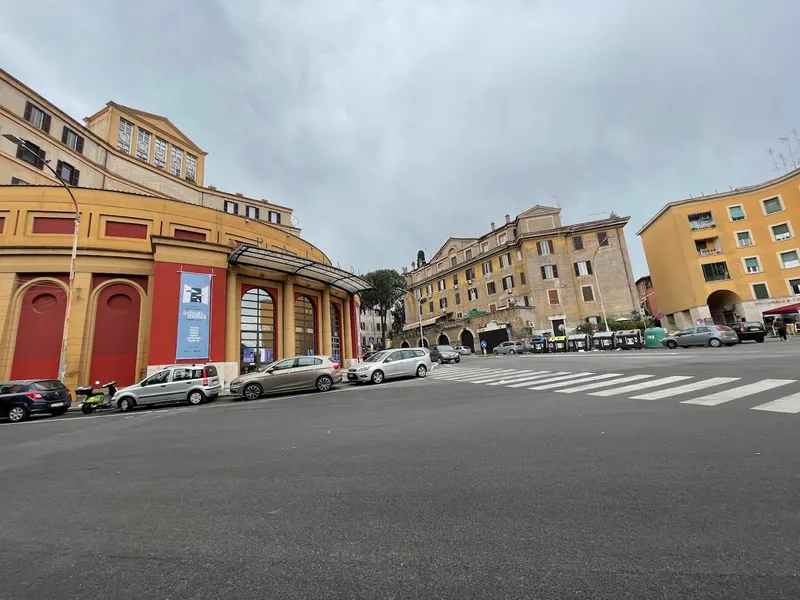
492 224
212 187
241 195
508 218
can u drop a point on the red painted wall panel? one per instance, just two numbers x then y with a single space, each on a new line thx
277 325
141 280
164 320
353 331
41 324
2 223
185 234
116 335
53 225
126 230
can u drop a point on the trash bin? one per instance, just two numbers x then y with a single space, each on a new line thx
579 342
539 345
603 340
557 344
653 337
629 339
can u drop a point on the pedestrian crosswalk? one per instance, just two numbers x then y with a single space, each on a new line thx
712 391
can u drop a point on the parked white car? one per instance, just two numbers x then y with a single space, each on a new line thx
463 350
389 364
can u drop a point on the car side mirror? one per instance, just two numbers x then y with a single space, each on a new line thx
388 360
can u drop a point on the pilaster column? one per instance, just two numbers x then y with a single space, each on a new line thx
327 348
79 323
288 318
232 316
347 349
7 286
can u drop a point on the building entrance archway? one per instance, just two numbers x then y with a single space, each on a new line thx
443 340
725 306
422 343
405 344
257 329
305 320
468 340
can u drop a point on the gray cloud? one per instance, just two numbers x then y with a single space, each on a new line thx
390 125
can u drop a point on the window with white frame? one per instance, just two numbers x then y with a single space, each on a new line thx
418 293
772 205
467 253
124 136
176 161
549 272
453 261
583 268
439 266
429 289
484 246
781 232
519 254
736 213
252 212
191 167
72 139
505 260
470 273
486 267
751 264
508 282
274 217
441 285
443 303
472 294
35 116
455 279
588 293
160 153
502 239
545 247
789 259
744 239
231 207
760 291
794 286
143 144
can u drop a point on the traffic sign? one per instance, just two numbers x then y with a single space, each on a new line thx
371 340
483 344
700 321
660 316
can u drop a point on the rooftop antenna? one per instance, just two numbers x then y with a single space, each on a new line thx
558 204
774 162
796 139
791 154
783 158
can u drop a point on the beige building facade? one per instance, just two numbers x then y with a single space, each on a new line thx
535 263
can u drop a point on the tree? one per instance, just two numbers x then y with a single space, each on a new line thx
388 287
398 316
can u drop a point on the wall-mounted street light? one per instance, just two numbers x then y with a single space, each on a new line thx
62 364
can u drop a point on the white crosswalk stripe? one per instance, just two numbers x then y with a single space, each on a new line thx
739 392
638 386
684 389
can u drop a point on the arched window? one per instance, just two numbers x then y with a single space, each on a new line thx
305 327
257 339
336 345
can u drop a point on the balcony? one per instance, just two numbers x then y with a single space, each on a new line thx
708 246
700 221
716 272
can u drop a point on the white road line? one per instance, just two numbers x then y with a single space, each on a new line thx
570 376
602 384
487 376
739 392
638 386
515 379
787 404
472 375
462 372
527 382
550 386
684 389
501 377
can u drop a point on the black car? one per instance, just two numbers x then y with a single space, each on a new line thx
21 399
445 354
749 330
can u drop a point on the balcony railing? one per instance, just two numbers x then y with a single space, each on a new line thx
699 225
717 276
709 251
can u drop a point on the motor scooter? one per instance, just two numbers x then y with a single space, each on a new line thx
96 398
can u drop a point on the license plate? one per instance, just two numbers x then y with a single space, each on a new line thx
56 404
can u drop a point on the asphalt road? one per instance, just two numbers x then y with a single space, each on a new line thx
435 488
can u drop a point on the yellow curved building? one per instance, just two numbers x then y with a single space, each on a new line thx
728 256
167 270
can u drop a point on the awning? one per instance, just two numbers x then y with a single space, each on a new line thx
425 323
783 310
261 258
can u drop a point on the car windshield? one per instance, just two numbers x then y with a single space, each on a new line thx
377 357
446 348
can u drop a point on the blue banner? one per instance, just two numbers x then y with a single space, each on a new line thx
194 316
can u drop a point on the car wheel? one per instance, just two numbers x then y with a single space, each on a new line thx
441 361
377 377
324 383
422 371
496 353
714 343
196 397
671 344
87 409
760 340
18 413
458 360
512 351
58 412
125 404
252 391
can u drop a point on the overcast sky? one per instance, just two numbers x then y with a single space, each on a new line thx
390 125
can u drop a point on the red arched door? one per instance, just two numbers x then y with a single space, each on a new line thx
116 335
37 349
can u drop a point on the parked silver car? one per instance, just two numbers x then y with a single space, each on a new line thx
509 348
179 383
319 373
388 364
705 335
464 350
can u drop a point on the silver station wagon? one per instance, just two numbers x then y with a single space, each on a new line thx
389 364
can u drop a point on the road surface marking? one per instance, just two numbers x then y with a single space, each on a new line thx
683 389
556 377
499 376
787 404
462 372
527 382
638 386
516 379
739 392
466 375
602 384
549 386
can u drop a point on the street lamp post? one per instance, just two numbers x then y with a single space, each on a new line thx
419 312
62 363
599 292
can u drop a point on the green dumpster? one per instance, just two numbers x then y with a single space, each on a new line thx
653 337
